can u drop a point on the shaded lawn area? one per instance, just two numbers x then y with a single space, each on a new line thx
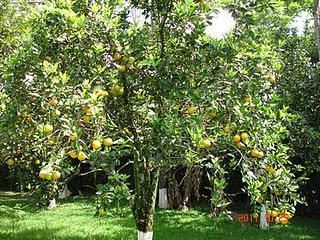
74 220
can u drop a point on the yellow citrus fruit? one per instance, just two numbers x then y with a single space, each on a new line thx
96 144
121 91
10 162
53 102
122 68
117 90
49 176
191 110
117 56
288 215
240 145
271 78
205 143
73 154
102 93
37 162
48 128
270 169
227 129
108 142
56 113
72 137
244 136
236 138
42 174
82 156
260 154
131 60
274 213
254 152
248 99
56 175
86 118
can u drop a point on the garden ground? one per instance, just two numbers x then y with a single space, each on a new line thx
74 220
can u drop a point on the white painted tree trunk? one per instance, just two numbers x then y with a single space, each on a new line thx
52 203
263 217
163 198
145 235
65 193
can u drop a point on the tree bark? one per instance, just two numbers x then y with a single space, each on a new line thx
263 217
316 10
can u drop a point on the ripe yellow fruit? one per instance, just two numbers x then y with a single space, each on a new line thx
121 91
122 68
42 174
274 213
244 136
277 220
248 99
260 154
254 152
227 129
236 138
37 162
48 128
288 215
72 137
10 162
117 57
131 60
56 113
82 156
49 176
191 110
96 144
271 78
270 169
205 143
240 145
117 90
108 142
86 118
56 175
102 93
53 102
73 154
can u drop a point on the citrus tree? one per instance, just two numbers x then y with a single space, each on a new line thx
90 85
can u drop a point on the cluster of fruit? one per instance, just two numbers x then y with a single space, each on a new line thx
283 217
49 174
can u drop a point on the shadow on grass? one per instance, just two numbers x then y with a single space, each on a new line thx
74 220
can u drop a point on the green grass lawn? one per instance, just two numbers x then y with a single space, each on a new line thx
74 219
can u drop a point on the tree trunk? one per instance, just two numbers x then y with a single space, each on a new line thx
163 191
146 185
263 217
316 10
174 197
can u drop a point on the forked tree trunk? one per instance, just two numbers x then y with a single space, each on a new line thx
316 11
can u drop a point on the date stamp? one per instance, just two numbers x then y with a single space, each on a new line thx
255 218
